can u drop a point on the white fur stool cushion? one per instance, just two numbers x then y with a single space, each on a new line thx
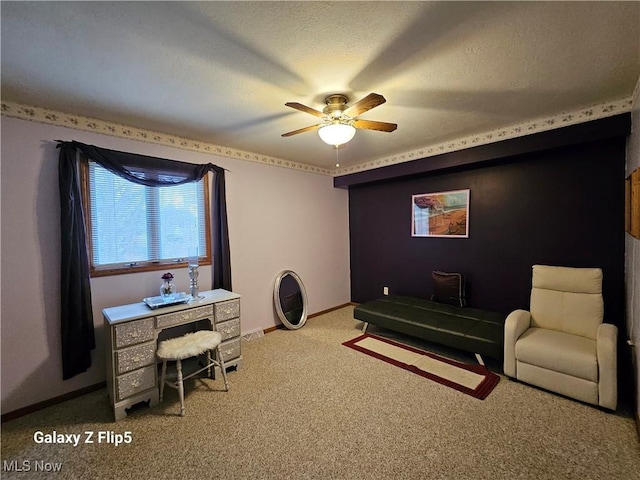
189 345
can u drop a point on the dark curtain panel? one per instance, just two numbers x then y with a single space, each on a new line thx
77 319
220 236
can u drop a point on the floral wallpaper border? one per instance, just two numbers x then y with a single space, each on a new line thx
78 122
543 124
43 115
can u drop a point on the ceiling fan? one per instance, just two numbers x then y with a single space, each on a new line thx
339 120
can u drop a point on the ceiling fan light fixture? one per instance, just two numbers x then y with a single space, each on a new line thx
336 133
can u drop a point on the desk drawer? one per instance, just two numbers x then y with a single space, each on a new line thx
131 333
230 349
227 310
137 381
132 358
184 316
229 329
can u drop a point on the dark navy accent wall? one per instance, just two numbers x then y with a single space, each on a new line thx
563 206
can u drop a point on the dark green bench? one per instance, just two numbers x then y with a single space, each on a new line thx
469 329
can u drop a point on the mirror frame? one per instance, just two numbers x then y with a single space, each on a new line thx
276 300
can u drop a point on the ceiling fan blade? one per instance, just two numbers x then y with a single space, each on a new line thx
371 125
367 103
302 130
304 108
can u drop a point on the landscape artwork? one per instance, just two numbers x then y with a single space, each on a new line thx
442 214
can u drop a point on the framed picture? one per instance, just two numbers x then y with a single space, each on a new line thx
442 214
632 204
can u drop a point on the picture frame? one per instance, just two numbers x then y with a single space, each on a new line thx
632 204
440 214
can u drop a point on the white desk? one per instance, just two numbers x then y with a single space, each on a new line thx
131 342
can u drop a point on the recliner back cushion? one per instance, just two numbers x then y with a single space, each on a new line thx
567 299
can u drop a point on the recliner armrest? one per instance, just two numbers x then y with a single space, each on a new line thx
607 352
515 325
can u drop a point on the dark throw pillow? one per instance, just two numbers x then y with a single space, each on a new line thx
448 288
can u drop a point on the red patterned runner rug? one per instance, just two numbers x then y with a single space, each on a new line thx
474 380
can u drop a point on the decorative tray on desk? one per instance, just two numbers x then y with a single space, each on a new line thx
159 301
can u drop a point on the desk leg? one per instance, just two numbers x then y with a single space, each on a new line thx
150 397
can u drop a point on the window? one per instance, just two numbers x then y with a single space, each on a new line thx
132 227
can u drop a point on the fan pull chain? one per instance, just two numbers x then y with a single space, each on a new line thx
337 159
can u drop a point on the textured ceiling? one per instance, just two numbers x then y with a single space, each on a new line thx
221 72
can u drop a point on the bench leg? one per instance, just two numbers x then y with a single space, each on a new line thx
364 327
162 378
180 386
479 358
223 369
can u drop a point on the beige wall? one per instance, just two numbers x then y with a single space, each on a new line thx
278 219
633 250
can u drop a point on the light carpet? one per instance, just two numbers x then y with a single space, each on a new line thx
302 406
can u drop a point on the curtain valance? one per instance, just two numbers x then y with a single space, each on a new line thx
145 170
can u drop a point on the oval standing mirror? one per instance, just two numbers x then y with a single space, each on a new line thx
290 299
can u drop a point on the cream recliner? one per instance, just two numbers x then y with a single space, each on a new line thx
561 344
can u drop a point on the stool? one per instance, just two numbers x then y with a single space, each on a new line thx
187 346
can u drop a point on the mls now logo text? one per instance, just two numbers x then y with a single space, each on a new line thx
31 466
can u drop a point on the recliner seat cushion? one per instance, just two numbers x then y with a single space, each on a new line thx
559 352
